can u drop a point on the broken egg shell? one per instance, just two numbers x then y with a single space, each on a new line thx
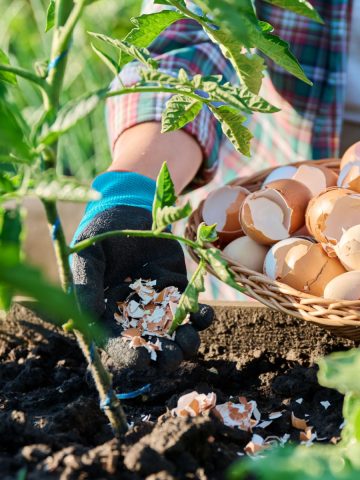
274 262
315 177
222 206
280 173
348 248
246 252
350 176
344 287
352 154
312 270
319 210
274 213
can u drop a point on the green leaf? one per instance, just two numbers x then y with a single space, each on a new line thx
133 52
6 76
213 257
351 413
249 67
14 132
169 215
148 28
279 51
231 124
11 236
50 16
52 187
189 299
70 114
165 195
337 371
109 62
301 463
301 7
180 110
53 301
206 234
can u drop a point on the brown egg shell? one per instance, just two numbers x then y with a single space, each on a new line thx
319 209
315 177
350 176
284 202
352 154
344 287
313 271
222 206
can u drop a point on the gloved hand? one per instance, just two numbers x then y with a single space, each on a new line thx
101 271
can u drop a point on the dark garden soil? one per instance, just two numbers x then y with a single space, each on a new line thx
51 426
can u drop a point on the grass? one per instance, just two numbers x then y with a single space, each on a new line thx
84 151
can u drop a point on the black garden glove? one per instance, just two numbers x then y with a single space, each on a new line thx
102 272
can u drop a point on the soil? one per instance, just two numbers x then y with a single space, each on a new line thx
52 428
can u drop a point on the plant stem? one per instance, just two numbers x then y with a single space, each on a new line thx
174 90
103 382
27 74
130 233
66 16
59 242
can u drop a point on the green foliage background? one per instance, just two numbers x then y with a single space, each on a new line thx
84 152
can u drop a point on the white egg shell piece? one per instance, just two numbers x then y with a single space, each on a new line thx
344 287
275 263
344 215
348 248
349 176
246 252
312 177
280 173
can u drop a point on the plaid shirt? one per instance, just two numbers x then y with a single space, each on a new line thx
308 125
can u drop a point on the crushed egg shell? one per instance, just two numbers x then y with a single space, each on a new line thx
194 404
298 423
256 445
238 414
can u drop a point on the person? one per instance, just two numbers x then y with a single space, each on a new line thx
308 126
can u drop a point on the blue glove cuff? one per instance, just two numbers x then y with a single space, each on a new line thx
118 188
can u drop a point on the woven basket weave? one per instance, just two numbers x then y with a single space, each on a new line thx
342 318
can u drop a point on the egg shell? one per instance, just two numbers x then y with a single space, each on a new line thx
280 173
344 287
319 210
315 177
246 252
348 248
275 212
312 271
352 154
222 206
274 263
350 176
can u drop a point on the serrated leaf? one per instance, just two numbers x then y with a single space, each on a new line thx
148 28
213 257
8 77
337 371
279 51
69 115
50 16
11 243
206 234
231 124
250 69
165 195
169 215
189 299
136 53
56 188
301 7
180 110
109 62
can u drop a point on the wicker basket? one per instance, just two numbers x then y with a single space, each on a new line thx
342 318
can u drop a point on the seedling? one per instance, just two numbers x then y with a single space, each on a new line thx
29 153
